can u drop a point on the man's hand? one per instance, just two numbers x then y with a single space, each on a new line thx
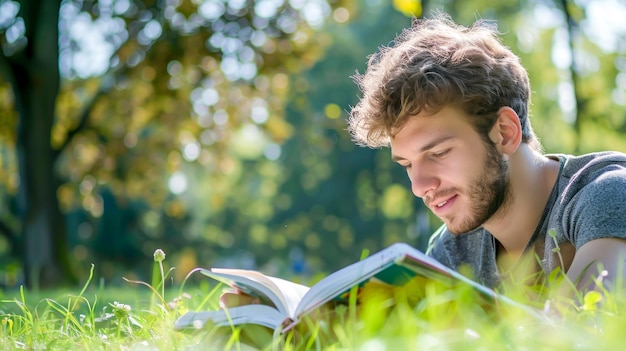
235 297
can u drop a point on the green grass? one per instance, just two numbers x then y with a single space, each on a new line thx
141 316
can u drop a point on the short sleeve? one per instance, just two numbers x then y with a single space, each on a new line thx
598 209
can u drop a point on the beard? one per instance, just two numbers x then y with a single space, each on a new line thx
487 195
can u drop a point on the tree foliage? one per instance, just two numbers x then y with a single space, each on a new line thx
216 129
179 81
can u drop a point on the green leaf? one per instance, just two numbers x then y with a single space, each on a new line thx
591 300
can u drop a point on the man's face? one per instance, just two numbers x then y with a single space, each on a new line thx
462 179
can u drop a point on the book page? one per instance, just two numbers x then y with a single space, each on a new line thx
292 293
283 294
342 280
256 314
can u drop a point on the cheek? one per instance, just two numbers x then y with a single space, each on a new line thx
475 158
465 170
464 164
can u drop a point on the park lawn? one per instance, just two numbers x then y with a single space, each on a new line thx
140 316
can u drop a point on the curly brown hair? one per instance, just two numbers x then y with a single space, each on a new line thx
437 63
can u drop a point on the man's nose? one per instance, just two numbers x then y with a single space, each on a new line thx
423 180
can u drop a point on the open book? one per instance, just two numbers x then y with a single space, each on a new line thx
285 303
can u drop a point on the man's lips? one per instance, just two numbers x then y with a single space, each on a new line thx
442 204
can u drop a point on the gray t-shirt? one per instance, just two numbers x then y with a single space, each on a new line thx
587 202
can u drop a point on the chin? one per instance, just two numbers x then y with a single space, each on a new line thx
458 230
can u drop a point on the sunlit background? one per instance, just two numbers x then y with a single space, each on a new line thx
215 129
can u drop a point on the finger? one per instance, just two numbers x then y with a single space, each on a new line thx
233 299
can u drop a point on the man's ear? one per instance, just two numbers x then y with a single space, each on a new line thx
506 133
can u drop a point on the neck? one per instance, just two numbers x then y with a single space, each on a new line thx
532 177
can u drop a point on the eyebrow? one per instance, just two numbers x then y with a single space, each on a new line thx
426 147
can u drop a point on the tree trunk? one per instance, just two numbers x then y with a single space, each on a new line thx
35 81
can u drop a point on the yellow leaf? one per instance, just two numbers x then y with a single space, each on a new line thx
408 7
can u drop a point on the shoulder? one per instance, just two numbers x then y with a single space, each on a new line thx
595 175
592 164
592 189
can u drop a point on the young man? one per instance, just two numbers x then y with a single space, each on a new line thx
452 103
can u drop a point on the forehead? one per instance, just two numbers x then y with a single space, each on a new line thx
423 129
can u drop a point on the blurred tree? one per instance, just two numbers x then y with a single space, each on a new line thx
343 198
575 53
121 94
30 64
323 200
597 63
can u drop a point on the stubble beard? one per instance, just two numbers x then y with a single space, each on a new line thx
489 194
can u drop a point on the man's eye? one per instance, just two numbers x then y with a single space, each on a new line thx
441 153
